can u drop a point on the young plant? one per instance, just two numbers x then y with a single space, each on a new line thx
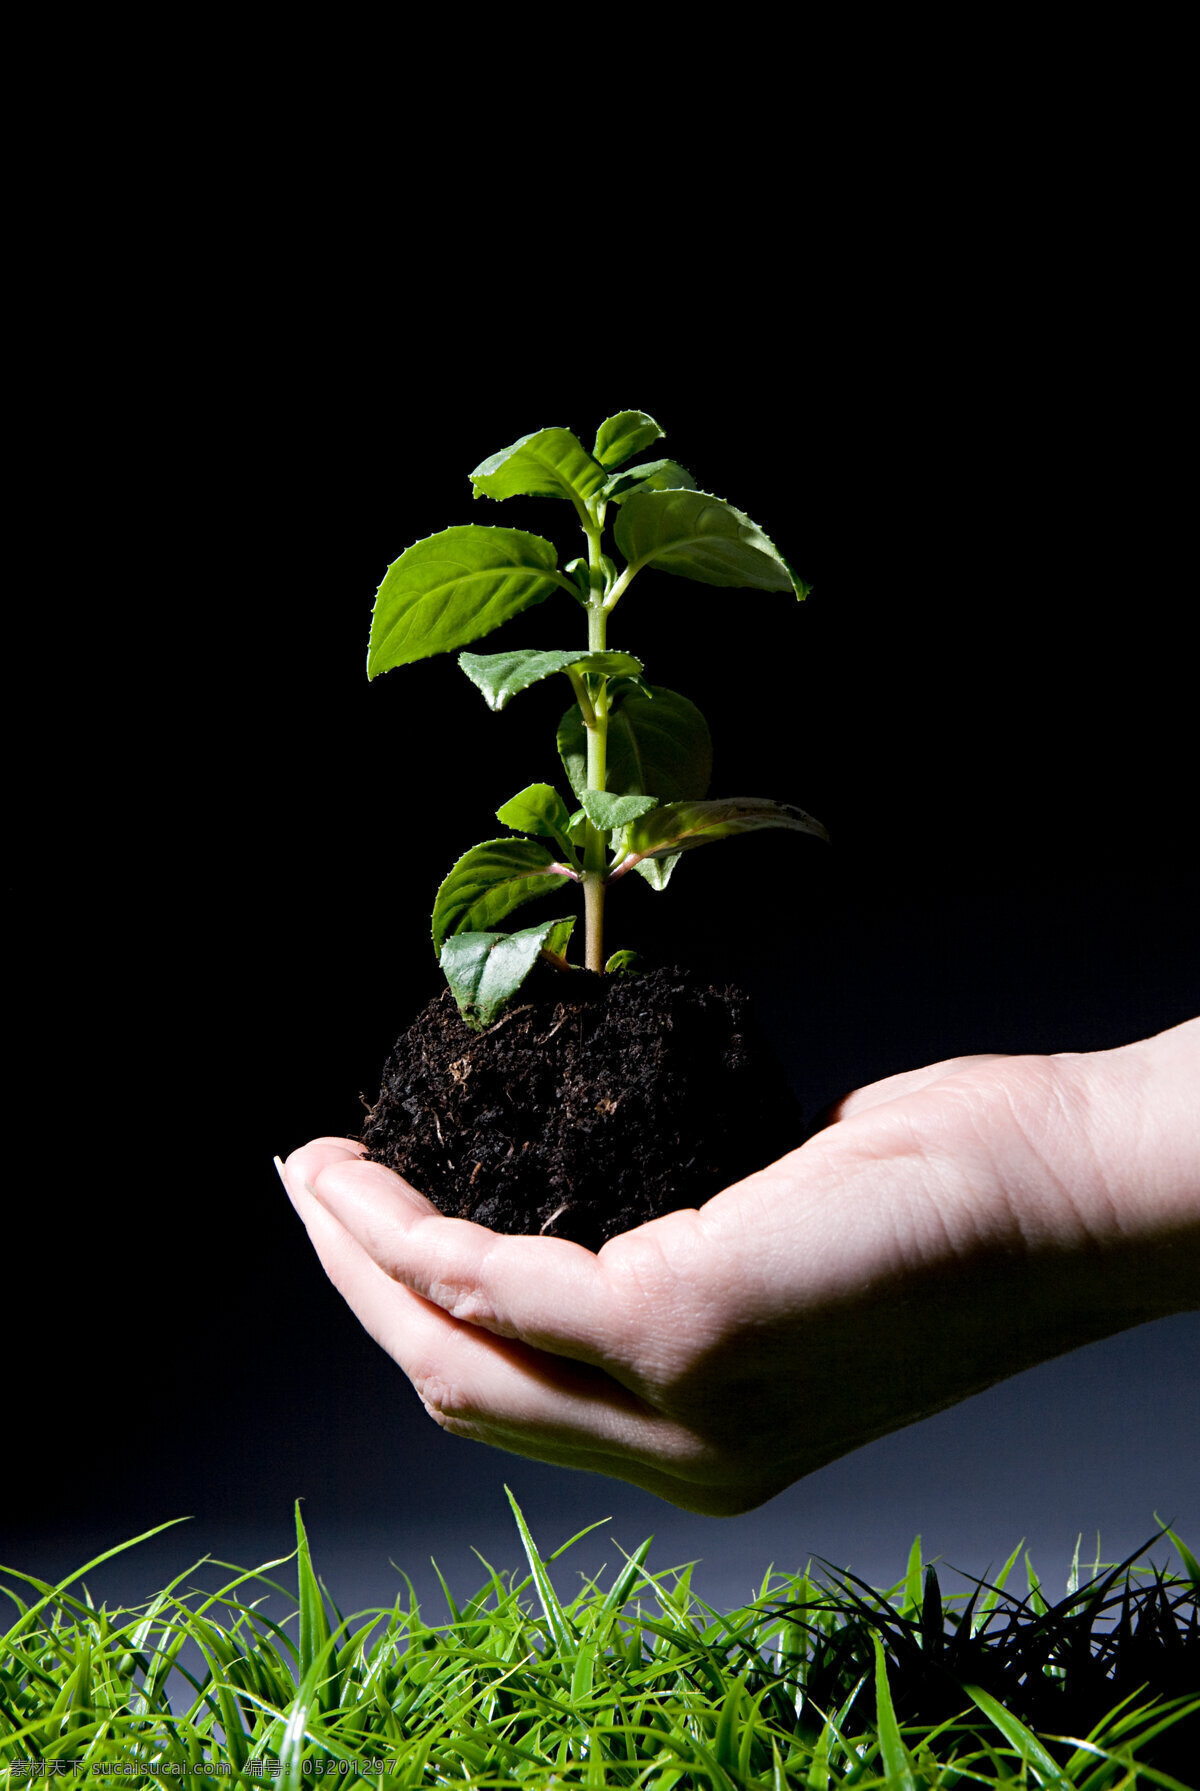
637 756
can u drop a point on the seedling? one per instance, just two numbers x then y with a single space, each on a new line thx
637 756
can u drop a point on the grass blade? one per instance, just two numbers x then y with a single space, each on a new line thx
579 1536
1191 1565
892 1750
314 1624
1024 1740
35 1610
772 1694
455 1613
912 1579
992 1595
621 1590
555 1616
724 1747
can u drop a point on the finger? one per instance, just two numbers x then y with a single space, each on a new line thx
329 1147
715 1500
475 1382
506 1393
346 1264
462 1393
303 1165
547 1292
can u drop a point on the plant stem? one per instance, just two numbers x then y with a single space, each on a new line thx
620 587
597 742
593 911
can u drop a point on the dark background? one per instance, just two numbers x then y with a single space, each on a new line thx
987 698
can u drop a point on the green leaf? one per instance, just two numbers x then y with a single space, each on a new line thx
557 940
578 570
485 970
608 812
622 963
610 665
647 475
658 745
627 433
681 825
572 749
488 882
538 810
699 536
657 871
502 676
452 588
548 463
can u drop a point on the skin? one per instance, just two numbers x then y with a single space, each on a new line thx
948 1228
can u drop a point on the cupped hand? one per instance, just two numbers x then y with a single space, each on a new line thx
949 1227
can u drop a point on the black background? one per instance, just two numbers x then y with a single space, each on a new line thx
223 912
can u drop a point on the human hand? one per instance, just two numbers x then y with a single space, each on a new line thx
950 1227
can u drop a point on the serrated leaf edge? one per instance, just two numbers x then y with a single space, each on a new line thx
799 585
553 868
551 573
568 492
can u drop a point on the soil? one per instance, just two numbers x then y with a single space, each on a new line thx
593 1104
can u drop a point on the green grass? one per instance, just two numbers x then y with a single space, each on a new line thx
818 1683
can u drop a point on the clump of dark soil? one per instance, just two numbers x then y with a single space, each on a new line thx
593 1104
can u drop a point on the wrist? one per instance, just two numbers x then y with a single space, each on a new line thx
1140 1107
